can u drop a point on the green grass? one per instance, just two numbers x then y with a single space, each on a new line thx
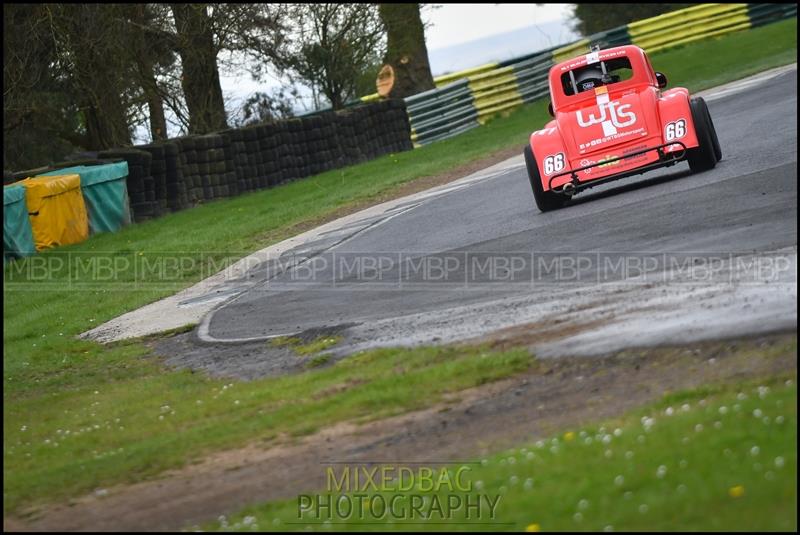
319 360
724 59
716 459
49 377
138 424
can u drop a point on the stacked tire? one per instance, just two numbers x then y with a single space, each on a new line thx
216 173
177 198
140 183
346 124
366 130
236 147
323 143
183 172
158 170
268 154
188 163
396 128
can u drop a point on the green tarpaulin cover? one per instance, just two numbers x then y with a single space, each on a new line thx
105 192
17 234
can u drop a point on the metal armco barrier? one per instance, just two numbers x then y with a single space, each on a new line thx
441 112
466 99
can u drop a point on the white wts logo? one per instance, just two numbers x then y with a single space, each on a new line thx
611 115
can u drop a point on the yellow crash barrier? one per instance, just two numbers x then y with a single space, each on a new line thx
56 210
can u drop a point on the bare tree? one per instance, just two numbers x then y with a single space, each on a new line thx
80 74
89 53
202 31
266 107
37 107
152 53
333 46
84 75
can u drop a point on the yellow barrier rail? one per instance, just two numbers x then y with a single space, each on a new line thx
676 29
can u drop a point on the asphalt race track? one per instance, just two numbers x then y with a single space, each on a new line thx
419 274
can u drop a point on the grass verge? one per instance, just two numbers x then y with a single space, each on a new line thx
78 415
130 428
716 459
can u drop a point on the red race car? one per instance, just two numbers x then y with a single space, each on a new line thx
612 120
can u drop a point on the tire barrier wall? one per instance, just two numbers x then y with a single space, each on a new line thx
466 99
140 182
184 172
180 173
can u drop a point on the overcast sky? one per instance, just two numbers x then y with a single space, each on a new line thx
452 24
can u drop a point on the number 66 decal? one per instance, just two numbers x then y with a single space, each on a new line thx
554 163
675 130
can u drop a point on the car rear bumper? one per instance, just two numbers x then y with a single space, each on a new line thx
665 159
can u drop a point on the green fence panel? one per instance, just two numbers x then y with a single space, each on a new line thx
105 192
761 14
17 233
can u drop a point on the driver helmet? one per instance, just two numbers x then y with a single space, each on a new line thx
589 78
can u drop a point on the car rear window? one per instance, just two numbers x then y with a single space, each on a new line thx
589 77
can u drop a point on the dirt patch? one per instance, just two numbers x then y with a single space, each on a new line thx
242 361
271 358
337 388
554 395
529 334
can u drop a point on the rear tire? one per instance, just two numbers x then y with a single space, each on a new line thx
545 200
714 138
704 156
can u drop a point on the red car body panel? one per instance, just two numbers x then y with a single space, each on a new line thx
609 122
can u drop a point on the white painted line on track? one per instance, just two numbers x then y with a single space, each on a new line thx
742 85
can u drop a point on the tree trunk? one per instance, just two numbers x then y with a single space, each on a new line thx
406 50
200 78
104 112
106 125
158 122
149 46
